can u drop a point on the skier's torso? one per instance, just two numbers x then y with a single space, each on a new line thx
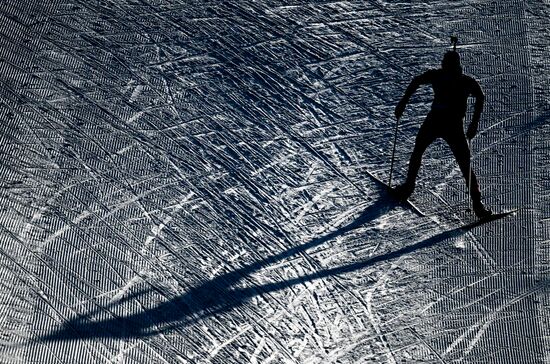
451 92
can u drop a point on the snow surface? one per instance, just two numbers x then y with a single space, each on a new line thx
185 182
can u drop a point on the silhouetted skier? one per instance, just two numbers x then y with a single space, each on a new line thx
445 120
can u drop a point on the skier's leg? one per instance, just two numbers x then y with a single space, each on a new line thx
424 138
461 152
459 147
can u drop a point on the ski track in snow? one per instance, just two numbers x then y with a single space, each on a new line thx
185 182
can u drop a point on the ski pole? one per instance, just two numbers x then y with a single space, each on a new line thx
470 175
393 151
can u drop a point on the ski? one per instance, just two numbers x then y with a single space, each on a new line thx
389 190
490 218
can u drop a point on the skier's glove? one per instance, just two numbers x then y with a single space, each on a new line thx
400 108
472 131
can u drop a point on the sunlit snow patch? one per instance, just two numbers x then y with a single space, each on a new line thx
460 243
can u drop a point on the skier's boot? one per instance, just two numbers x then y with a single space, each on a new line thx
481 210
402 192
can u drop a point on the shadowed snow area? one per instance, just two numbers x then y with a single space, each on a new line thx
188 182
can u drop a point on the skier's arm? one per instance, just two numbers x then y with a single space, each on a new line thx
478 108
422 79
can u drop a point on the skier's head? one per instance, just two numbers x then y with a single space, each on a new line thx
451 62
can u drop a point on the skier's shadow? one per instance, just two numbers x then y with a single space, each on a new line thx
222 293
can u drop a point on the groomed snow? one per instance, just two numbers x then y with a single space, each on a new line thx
186 182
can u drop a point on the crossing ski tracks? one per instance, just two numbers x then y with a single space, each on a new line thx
186 183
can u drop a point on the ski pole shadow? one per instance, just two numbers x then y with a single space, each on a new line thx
222 293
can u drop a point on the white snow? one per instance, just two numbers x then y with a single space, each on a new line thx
186 182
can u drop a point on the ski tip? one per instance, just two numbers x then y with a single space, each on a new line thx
499 215
510 212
